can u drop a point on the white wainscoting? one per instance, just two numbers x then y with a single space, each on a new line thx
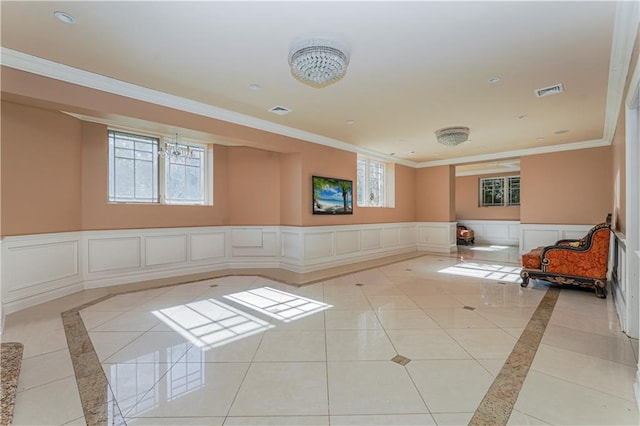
495 232
439 237
618 277
536 235
306 249
38 268
124 256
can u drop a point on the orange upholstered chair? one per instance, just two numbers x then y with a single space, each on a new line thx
465 235
580 262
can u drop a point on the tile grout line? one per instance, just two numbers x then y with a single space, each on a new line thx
497 405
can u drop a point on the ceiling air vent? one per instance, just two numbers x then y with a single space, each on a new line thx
280 110
548 91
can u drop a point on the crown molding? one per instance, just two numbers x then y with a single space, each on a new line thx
518 153
625 30
44 67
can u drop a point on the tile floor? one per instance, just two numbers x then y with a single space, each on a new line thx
246 350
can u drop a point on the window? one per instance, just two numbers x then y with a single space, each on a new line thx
133 168
500 191
138 175
374 183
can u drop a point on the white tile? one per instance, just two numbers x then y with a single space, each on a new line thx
148 343
507 317
391 302
192 390
38 342
406 319
172 421
106 344
604 376
372 387
278 421
520 419
450 385
92 319
452 419
616 349
54 403
437 301
363 319
292 346
46 368
485 343
426 344
559 402
283 389
451 318
129 321
351 345
383 420
242 350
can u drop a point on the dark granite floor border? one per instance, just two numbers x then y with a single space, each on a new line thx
10 363
497 405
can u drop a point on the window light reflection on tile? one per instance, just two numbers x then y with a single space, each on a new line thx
485 271
488 248
211 323
278 304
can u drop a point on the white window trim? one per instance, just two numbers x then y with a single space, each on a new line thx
506 191
207 172
389 184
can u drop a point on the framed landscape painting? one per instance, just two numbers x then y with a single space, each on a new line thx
332 196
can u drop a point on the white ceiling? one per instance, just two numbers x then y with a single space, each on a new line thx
415 66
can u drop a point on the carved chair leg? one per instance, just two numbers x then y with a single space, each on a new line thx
601 289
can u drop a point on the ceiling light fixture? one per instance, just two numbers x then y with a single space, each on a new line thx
452 136
175 149
318 62
64 17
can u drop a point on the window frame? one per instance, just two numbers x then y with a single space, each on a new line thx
386 183
506 190
161 173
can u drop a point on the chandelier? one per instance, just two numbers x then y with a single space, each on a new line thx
318 62
175 149
452 136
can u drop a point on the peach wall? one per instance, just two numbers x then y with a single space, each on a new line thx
291 189
570 187
41 170
467 201
435 194
253 187
98 213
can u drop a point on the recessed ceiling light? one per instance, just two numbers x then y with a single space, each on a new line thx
255 87
350 122
559 132
392 153
493 80
539 138
522 117
410 153
64 17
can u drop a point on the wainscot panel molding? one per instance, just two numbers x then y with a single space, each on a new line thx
536 235
618 278
439 237
307 249
494 232
39 268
